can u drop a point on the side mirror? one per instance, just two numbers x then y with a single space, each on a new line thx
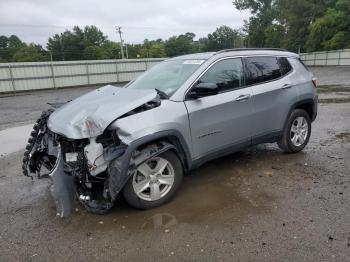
203 89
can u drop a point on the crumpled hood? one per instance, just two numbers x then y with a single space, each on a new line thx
90 114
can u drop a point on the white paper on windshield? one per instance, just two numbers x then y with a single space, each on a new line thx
193 62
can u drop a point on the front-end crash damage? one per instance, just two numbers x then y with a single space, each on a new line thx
83 153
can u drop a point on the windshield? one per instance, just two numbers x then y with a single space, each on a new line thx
167 76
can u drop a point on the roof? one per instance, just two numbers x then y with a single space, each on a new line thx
255 51
237 52
196 56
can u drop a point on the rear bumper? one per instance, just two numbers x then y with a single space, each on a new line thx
315 108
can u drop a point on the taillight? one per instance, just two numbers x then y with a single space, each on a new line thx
314 82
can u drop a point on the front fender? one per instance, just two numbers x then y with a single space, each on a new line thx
122 168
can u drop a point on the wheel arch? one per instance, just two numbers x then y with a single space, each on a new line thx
309 105
172 137
119 170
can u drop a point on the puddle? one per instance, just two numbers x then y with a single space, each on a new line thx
344 136
218 193
14 139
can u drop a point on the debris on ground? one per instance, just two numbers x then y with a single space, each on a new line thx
268 173
336 157
276 167
330 238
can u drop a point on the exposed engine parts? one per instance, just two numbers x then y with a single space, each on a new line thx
91 170
95 157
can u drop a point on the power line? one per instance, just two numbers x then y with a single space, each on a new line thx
71 26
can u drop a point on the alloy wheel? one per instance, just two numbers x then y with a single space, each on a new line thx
299 131
153 179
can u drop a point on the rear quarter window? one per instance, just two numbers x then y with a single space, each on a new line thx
261 69
285 66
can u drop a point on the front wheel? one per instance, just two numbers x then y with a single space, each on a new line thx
296 133
154 182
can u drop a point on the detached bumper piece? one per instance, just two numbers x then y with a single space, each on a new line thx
63 189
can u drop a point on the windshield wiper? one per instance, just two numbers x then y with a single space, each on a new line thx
162 94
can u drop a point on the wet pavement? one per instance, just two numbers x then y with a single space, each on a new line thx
14 139
256 205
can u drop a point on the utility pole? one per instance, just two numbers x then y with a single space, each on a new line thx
126 49
119 30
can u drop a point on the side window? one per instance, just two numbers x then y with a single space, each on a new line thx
284 65
227 74
261 69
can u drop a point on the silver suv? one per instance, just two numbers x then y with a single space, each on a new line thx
139 140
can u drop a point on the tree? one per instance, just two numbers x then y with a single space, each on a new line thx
93 36
92 53
296 17
274 35
180 45
110 50
77 44
281 23
14 44
223 38
258 26
331 31
4 54
30 53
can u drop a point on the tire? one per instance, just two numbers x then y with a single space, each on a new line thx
141 191
296 133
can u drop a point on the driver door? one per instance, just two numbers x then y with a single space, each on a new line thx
222 121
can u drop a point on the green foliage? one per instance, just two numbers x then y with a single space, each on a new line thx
297 25
68 45
263 28
332 30
12 49
92 53
110 50
274 35
149 49
224 37
305 25
339 40
30 53
93 36
181 45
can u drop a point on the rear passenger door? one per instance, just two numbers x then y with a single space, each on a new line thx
272 93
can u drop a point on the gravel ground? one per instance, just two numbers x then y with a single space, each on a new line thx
257 205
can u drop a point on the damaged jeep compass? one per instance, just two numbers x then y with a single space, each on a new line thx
139 140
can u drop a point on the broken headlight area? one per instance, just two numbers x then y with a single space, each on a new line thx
78 167
36 154
86 161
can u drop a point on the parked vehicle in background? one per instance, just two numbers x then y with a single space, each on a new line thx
139 140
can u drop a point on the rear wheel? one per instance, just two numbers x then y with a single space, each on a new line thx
154 182
297 132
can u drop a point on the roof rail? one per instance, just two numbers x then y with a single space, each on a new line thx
250 49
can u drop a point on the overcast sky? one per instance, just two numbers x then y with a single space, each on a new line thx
36 20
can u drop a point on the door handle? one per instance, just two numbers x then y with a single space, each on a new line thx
286 86
243 97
